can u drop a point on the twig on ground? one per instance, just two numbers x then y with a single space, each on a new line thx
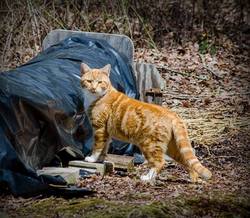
172 70
208 68
178 72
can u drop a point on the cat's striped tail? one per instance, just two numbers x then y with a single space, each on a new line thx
186 153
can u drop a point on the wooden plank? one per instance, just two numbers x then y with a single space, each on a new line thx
70 175
156 95
121 162
102 168
148 77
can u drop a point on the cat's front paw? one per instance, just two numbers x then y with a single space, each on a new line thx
91 159
145 178
150 177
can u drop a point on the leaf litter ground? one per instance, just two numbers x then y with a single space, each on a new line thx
212 94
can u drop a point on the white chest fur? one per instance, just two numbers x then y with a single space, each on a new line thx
89 98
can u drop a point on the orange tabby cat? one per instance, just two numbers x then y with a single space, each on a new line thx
154 129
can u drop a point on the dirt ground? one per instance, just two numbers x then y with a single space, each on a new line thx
212 94
173 195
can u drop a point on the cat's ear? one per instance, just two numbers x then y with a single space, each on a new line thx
106 69
84 68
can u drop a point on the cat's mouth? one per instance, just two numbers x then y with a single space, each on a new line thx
95 93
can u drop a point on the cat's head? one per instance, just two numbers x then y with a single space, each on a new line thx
96 81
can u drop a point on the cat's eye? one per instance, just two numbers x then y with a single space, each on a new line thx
88 81
99 82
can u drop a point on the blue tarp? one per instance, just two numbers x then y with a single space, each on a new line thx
41 109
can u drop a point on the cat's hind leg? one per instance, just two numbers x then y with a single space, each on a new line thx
155 157
100 147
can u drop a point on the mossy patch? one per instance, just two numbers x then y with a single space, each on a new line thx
215 204
58 207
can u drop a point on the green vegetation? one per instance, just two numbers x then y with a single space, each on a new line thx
207 46
223 205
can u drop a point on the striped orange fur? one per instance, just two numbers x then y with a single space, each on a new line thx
154 129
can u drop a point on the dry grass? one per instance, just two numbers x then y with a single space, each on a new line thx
209 127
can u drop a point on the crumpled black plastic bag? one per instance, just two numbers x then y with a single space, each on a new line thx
41 106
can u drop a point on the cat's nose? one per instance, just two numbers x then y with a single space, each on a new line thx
93 90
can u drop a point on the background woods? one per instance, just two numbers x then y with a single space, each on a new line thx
150 24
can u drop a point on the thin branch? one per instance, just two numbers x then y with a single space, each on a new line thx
207 67
145 28
127 19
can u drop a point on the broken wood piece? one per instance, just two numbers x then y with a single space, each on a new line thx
147 76
102 168
121 162
156 95
70 175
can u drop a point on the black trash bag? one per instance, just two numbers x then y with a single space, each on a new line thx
16 177
41 105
